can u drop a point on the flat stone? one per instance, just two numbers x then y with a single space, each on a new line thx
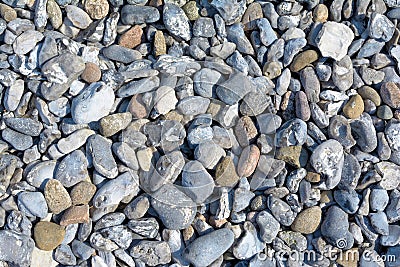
307 221
101 153
390 93
72 169
206 249
75 214
56 196
289 154
121 54
17 140
335 228
48 235
248 161
152 253
25 42
131 38
135 15
78 17
303 59
196 181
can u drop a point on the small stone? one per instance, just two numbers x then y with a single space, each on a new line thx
340 130
152 253
78 17
7 13
311 84
191 10
32 204
364 129
327 159
97 9
16 249
75 214
303 59
281 210
26 42
134 15
93 103
390 93
54 13
209 154
303 111
81 250
48 235
176 22
92 73
137 208
320 13
342 73
354 108
17 140
121 54
204 27
131 38
193 105
160 47
206 249
334 39
289 154
313 177
114 123
82 193
254 103
272 69
196 181
380 27
175 209
379 199
384 112
225 173
347 199
335 228
72 169
56 196
291 133
367 92
248 161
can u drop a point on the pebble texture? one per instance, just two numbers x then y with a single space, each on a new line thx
199 133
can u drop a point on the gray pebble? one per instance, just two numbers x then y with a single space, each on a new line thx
196 181
16 249
72 169
121 54
152 253
139 14
269 226
17 140
63 254
204 27
379 222
176 21
335 228
281 211
291 133
81 250
365 133
348 200
32 204
103 160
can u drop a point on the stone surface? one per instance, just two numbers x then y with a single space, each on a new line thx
56 196
48 235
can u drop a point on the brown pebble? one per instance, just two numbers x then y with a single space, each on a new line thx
137 108
225 173
248 161
354 107
82 193
92 73
56 196
253 12
217 223
303 59
313 177
132 37
390 93
97 9
326 196
245 130
367 92
48 235
320 13
289 154
303 111
75 214
7 13
160 47
307 221
188 234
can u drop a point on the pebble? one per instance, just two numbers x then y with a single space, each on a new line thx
25 201
121 54
354 107
17 140
103 160
176 21
225 172
92 73
191 10
26 42
132 37
175 209
16 249
196 181
160 47
48 235
56 196
327 159
269 226
248 161
384 112
7 12
389 93
152 253
307 221
303 59
206 249
97 9
335 227
334 39
82 193
75 214
136 15
78 17
320 13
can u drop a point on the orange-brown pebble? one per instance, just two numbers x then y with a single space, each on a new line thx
131 38
75 214
92 73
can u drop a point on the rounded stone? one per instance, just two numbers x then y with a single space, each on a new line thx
97 9
384 112
82 193
370 93
48 235
248 161
390 93
303 59
225 173
56 196
354 107
272 69
92 73
7 13
132 37
320 13
308 220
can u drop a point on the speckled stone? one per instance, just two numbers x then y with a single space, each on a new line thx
132 37
56 196
82 193
307 221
